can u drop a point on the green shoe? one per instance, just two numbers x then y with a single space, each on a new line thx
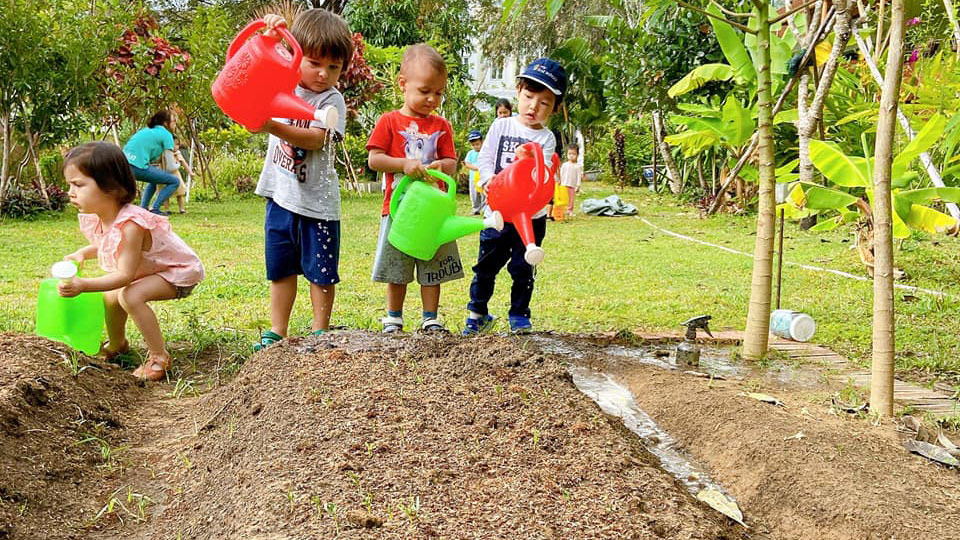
267 339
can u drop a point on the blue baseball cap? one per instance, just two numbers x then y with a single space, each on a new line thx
474 136
548 73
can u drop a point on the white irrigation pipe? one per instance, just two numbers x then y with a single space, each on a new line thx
804 266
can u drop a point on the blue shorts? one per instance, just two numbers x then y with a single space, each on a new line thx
298 244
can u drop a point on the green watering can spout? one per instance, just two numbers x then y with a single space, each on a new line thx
423 218
457 227
76 321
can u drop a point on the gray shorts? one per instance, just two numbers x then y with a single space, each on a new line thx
391 265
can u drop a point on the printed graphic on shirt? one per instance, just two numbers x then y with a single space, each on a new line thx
420 146
292 159
506 150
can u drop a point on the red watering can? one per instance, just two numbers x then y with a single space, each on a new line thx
521 190
257 81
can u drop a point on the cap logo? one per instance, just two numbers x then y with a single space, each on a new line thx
539 68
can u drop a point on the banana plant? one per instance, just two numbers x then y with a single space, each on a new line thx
852 178
729 127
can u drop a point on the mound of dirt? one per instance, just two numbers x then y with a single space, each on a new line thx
60 436
799 471
358 435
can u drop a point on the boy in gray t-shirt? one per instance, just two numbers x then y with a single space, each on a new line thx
302 224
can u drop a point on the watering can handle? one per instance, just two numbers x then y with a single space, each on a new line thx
451 184
398 192
249 30
405 181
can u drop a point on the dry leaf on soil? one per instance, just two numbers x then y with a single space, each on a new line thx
719 502
766 398
931 452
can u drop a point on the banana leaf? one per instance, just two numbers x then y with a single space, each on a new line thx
700 76
733 49
927 136
692 141
929 195
927 219
787 116
841 169
828 225
700 109
715 126
821 198
739 125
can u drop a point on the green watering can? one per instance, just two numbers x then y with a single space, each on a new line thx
423 218
76 321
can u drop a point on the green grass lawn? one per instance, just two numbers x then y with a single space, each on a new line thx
599 274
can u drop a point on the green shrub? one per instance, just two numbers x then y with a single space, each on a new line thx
27 202
231 140
356 146
51 164
638 150
236 174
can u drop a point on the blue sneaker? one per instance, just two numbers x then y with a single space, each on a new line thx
475 326
520 325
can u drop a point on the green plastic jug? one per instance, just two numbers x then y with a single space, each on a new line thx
423 218
76 321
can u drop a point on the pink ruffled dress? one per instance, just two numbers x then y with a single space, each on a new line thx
169 256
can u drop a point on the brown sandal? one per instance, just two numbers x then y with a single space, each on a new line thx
154 369
111 356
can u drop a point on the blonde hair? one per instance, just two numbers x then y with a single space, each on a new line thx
323 33
422 53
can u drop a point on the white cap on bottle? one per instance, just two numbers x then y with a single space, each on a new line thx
802 327
63 270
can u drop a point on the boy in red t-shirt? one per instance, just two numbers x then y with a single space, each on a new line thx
408 142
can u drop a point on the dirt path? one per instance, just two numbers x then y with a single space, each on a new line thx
357 435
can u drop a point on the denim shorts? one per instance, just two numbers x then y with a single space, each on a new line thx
298 244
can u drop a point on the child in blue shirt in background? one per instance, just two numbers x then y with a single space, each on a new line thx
475 138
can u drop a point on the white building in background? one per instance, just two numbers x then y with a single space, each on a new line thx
495 77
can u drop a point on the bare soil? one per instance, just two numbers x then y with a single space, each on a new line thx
358 435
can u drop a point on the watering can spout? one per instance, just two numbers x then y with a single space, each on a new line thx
457 226
290 106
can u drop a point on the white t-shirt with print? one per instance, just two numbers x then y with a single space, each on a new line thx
304 181
498 149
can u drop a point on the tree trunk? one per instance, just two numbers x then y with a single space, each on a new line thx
948 6
31 149
5 166
758 316
810 114
881 384
672 172
703 181
928 165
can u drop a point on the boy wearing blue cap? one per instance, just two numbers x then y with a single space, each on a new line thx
540 90
475 138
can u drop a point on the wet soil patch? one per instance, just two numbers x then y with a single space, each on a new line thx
800 471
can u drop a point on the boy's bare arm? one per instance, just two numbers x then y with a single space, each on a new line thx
379 161
306 138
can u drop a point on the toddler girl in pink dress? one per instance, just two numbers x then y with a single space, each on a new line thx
144 260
